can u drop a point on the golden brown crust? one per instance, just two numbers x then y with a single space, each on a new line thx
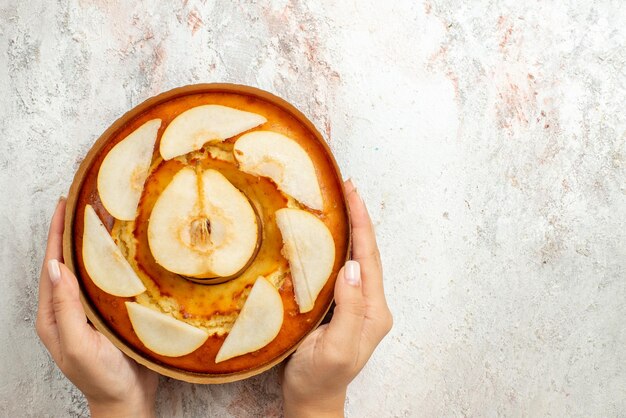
108 312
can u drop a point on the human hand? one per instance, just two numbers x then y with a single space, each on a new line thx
114 385
316 376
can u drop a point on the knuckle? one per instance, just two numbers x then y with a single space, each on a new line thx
354 307
386 322
39 328
374 253
72 353
378 257
339 360
65 304
58 304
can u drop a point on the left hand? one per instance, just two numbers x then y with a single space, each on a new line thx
114 385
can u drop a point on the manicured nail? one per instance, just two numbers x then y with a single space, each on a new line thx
352 273
54 271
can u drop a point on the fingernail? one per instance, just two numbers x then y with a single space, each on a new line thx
353 189
54 271
352 273
61 198
358 195
350 187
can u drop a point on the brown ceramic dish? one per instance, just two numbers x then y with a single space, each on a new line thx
200 301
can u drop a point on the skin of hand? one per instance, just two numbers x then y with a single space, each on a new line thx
114 385
315 378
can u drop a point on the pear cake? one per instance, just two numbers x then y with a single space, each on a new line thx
206 228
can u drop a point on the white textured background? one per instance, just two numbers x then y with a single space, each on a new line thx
488 141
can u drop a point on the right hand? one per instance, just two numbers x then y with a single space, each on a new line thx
316 377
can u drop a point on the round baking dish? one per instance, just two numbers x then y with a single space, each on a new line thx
107 312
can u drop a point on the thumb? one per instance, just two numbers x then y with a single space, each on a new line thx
68 310
349 314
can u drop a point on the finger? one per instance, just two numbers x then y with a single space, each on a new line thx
364 248
46 323
68 310
54 248
344 330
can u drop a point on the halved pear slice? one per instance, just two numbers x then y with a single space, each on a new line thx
124 170
104 261
163 334
258 322
193 128
202 226
310 249
273 155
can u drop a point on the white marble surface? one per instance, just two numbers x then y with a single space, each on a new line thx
488 141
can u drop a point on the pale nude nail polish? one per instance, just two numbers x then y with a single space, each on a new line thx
54 271
352 273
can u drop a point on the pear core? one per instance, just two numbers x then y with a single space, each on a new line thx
203 228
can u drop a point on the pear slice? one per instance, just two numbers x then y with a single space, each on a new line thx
163 334
258 323
104 261
273 155
310 249
124 171
193 128
202 226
